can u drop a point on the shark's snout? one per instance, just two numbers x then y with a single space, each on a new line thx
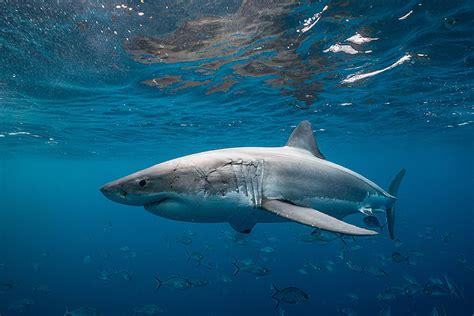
113 192
128 191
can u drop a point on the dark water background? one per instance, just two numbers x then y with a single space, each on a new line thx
90 92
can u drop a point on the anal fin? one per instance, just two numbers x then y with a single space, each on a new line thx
311 217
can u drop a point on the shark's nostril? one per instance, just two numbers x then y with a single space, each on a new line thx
123 193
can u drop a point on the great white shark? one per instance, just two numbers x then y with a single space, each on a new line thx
249 185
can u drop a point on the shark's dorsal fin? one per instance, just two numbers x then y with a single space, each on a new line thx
303 137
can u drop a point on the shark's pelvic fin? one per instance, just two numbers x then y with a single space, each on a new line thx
393 190
243 225
303 137
313 218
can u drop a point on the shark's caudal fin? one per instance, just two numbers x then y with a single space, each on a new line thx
393 190
303 138
313 218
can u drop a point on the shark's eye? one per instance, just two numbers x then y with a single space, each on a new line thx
142 183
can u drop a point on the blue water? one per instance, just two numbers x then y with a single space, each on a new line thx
94 90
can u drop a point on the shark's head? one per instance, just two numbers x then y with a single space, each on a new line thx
140 188
172 189
150 186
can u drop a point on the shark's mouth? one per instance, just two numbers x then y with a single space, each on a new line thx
155 203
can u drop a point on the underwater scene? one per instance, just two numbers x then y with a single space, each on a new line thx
236 157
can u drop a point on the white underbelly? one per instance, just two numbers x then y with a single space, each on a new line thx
204 209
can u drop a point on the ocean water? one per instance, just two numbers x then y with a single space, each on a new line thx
93 90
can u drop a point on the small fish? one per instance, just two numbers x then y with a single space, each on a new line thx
272 239
225 279
342 254
410 279
106 255
446 237
398 243
417 253
435 290
386 311
454 290
386 295
267 249
124 249
87 259
412 289
21 306
462 260
399 258
41 289
6 286
354 267
175 282
346 311
373 222
104 275
281 311
355 248
185 240
82 311
312 265
324 236
198 282
148 310
435 280
37 266
303 271
353 296
130 255
238 238
329 267
190 233
251 268
108 227
195 256
124 274
379 273
290 295
209 265
209 247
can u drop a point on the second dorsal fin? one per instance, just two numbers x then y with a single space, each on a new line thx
303 138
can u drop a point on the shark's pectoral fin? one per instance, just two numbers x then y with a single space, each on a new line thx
313 218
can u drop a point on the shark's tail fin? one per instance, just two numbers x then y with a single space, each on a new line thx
393 190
